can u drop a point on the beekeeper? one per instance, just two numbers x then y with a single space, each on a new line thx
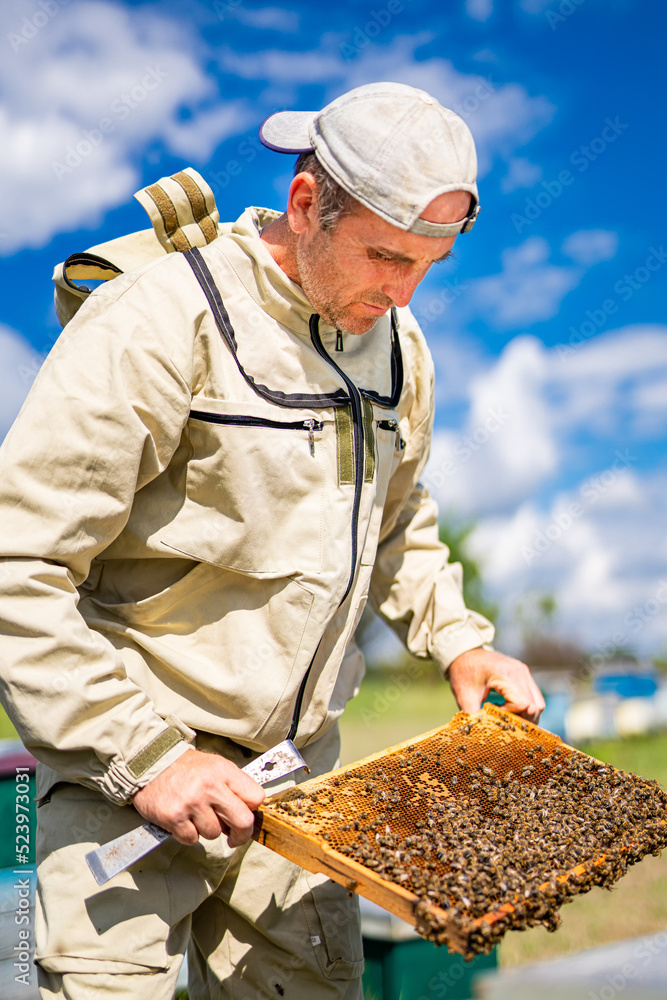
217 466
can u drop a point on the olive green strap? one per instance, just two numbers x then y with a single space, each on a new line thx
345 444
151 754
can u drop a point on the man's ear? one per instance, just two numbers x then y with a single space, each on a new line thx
302 203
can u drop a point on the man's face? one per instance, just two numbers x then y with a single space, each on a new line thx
354 274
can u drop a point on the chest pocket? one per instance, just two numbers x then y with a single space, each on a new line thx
254 489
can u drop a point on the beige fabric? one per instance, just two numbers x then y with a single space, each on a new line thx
184 214
163 571
258 919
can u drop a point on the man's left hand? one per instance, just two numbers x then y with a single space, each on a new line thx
474 674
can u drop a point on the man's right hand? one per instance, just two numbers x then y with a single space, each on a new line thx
201 794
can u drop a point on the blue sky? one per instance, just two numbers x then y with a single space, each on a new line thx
546 330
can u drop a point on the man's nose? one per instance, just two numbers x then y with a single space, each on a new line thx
400 287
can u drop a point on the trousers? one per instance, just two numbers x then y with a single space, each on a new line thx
255 926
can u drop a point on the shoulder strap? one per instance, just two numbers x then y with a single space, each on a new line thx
183 212
182 209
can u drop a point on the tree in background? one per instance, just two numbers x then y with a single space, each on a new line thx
543 648
455 534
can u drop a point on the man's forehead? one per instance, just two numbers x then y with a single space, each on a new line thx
376 235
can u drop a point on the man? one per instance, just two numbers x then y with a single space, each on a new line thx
217 465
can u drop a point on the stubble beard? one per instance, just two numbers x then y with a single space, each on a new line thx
318 275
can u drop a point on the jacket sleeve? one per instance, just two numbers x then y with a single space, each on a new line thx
414 587
103 418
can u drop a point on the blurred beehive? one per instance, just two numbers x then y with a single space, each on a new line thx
485 824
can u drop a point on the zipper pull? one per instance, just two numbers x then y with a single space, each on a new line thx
339 341
310 426
392 425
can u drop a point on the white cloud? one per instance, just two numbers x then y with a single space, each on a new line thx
650 401
479 10
590 246
267 18
83 98
508 446
529 289
536 420
457 360
520 173
197 137
628 351
501 116
605 393
599 549
19 364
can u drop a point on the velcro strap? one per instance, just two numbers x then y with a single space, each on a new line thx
156 748
182 209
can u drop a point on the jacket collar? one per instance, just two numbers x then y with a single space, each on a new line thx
366 358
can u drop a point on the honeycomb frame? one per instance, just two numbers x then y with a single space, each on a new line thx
304 823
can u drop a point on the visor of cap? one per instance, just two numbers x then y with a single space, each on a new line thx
287 131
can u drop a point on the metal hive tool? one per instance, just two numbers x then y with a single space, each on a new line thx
477 769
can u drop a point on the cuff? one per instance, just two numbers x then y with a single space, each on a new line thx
452 642
123 779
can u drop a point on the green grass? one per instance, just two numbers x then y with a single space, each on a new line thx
645 755
7 731
393 707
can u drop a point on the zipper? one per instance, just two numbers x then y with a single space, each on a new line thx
235 420
296 714
339 341
392 425
212 293
358 433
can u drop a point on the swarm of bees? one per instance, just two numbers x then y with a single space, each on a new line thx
490 831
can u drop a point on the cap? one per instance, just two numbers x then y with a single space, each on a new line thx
392 147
